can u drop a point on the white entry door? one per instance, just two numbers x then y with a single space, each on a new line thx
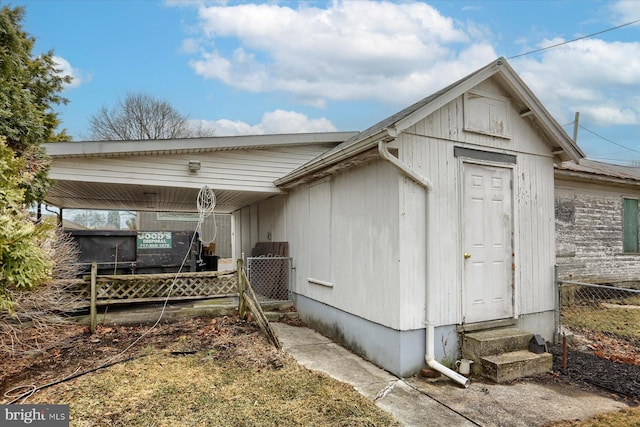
487 243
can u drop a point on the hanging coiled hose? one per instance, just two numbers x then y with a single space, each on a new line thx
206 205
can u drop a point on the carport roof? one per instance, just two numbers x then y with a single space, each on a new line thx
118 183
189 145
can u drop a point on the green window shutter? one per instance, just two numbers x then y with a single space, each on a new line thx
630 218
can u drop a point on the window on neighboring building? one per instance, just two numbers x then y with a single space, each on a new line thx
630 225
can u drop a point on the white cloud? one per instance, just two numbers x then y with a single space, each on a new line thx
604 115
398 53
190 46
625 11
77 76
597 78
278 121
394 52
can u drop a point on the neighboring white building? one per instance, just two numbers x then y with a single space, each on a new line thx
597 238
440 215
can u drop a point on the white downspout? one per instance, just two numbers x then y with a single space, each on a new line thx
429 356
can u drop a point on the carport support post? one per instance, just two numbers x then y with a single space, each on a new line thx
241 289
93 312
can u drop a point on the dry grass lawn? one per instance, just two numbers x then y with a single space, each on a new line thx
235 378
619 320
198 390
624 418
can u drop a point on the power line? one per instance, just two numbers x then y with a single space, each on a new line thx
608 140
574 40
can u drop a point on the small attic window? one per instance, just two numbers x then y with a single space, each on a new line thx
487 114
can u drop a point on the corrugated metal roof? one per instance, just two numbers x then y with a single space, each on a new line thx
592 167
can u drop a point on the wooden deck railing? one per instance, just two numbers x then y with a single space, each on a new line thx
133 288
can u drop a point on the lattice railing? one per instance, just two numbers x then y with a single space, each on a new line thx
148 287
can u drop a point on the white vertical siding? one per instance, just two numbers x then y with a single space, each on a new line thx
363 232
428 148
245 234
365 242
535 232
271 220
437 163
235 234
412 258
253 224
320 222
297 230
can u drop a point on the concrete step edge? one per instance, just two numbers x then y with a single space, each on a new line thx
513 365
274 316
497 334
514 357
485 343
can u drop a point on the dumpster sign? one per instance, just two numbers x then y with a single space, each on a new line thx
154 240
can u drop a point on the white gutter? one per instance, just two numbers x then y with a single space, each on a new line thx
429 356
190 145
334 156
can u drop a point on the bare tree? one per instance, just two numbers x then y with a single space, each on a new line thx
141 116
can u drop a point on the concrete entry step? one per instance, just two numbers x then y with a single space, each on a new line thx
276 305
276 316
516 364
494 341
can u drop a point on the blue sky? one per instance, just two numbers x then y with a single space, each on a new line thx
284 66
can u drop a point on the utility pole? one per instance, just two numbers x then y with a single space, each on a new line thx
576 124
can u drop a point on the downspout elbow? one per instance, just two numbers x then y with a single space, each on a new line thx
435 365
403 167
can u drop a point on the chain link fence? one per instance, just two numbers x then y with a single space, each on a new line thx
601 314
270 277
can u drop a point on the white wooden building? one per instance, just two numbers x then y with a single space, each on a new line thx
441 215
435 219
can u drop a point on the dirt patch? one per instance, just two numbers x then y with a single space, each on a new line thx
201 371
603 362
79 351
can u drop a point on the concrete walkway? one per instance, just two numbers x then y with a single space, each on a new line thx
420 402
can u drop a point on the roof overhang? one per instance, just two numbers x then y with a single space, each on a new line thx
189 145
133 197
562 147
334 160
601 173
72 191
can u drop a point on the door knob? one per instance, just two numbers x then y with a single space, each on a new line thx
467 255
